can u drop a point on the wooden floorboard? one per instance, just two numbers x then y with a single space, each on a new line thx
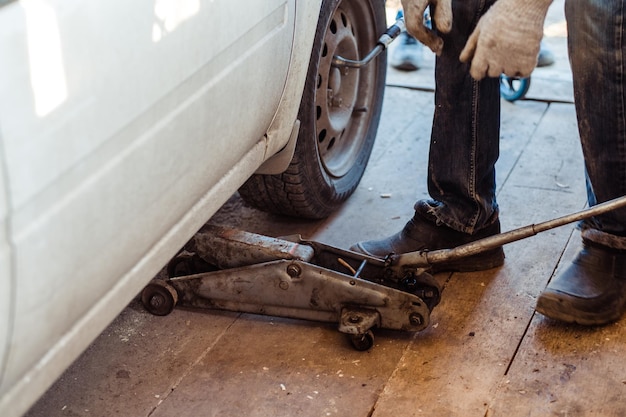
456 366
566 370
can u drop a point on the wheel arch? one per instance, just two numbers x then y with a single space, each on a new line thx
285 123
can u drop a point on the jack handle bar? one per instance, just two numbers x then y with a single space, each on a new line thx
427 258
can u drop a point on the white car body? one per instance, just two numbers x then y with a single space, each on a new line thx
124 125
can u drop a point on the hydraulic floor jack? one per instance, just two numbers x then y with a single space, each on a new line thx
232 270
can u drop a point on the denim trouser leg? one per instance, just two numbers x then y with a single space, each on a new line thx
466 128
596 48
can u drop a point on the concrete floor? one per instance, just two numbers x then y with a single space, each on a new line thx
486 352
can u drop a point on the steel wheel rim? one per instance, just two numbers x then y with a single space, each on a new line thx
344 97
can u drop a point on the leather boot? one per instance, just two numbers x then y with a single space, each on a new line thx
423 233
591 291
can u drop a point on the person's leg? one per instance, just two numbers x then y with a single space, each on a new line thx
408 53
593 289
546 56
463 150
465 138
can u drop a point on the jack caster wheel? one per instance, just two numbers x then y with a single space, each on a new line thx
362 342
159 298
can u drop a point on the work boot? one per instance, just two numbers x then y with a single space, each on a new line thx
407 56
545 57
591 291
423 233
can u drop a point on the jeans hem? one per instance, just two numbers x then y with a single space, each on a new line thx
436 211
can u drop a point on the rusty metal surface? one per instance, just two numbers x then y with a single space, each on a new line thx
298 279
231 248
300 290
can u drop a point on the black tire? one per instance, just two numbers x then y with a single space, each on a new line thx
337 130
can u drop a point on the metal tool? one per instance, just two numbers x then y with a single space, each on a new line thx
227 269
383 43
424 259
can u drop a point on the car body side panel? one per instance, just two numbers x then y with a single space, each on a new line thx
108 179
91 68
6 284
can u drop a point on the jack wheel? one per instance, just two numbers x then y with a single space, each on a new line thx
363 342
159 298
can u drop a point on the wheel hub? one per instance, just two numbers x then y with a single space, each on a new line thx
342 83
342 98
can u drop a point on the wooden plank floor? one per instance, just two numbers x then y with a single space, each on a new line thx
486 353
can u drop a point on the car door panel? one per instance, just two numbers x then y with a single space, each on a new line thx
145 118
97 71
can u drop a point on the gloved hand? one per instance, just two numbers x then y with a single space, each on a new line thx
414 20
506 39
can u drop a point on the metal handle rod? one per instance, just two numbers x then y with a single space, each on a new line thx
426 258
383 42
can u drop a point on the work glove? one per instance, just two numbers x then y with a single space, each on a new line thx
506 39
414 21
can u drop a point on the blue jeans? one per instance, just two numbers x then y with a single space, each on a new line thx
596 47
465 137
464 144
